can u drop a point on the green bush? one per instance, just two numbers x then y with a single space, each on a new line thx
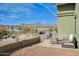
3 32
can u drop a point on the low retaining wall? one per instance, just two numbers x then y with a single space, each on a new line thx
30 41
7 46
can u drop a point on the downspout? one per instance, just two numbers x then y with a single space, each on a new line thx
75 24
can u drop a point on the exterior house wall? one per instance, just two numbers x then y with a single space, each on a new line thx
77 22
68 20
66 26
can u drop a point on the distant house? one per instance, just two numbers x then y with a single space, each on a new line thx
68 20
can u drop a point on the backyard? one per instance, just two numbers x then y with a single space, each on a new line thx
35 34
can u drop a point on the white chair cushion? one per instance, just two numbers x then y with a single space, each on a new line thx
71 37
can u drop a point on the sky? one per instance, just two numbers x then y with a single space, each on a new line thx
18 13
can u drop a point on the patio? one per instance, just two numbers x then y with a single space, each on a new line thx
45 49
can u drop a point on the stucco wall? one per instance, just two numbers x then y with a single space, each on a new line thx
9 47
77 22
66 26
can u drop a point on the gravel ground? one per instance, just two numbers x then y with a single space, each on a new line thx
44 51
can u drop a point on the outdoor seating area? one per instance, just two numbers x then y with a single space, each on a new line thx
70 42
65 42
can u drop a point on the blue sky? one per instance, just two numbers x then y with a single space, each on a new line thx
18 13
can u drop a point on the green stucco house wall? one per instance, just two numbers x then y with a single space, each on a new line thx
68 20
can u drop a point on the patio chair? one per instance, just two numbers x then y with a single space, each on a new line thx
54 38
69 43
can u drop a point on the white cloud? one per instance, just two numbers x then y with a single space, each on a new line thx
8 17
13 16
48 9
18 8
31 5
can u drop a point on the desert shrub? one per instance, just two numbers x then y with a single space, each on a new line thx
3 32
25 30
33 29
